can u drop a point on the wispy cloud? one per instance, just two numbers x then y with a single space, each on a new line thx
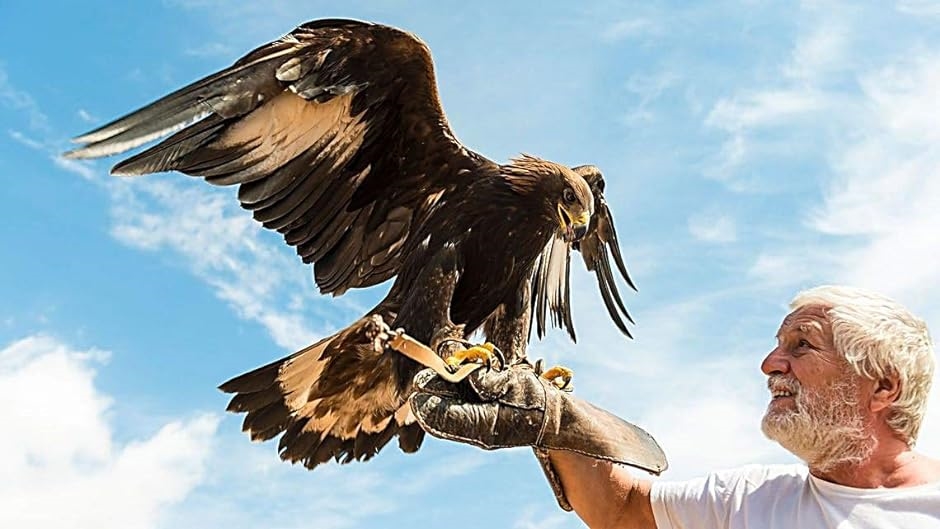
19 100
777 116
713 226
87 117
211 49
878 150
222 245
648 88
64 459
787 267
629 28
23 139
822 51
744 115
79 167
885 185
535 517
928 8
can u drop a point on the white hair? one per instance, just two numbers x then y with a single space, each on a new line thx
880 338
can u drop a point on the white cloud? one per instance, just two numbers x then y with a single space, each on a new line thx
795 97
713 226
926 8
248 487
878 214
221 244
648 88
823 50
886 183
88 117
79 167
211 49
61 459
628 29
785 267
744 115
16 99
535 517
762 108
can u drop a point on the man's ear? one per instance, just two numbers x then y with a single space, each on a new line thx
887 391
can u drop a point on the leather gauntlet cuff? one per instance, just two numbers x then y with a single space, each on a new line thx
553 480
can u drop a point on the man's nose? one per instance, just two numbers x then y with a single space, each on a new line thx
775 362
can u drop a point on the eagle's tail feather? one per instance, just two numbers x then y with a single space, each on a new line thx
410 438
350 417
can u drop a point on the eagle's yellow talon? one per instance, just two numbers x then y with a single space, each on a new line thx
481 354
559 376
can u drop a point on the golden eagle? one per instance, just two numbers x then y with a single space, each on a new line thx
336 139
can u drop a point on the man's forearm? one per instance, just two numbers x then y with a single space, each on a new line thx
603 494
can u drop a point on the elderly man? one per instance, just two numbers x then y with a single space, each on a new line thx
848 380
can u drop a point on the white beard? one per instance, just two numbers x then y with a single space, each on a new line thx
825 428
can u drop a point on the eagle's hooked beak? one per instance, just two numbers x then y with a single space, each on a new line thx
573 229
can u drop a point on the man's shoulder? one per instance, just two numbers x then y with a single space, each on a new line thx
757 474
758 479
738 481
714 499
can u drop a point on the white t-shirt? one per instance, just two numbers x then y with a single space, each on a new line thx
789 497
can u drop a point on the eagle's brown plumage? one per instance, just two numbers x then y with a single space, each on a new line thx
336 139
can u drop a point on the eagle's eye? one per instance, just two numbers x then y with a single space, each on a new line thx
569 196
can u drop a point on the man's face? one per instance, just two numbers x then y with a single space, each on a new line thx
815 409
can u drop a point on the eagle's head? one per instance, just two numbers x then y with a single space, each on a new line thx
564 195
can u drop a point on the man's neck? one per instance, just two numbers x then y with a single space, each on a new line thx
892 465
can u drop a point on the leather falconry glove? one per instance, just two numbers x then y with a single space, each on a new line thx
516 407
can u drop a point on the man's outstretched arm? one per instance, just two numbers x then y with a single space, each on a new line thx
577 444
603 494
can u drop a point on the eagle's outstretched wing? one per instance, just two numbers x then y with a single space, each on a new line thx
551 284
334 134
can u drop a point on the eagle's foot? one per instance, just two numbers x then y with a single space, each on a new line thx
559 376
486 354
374 330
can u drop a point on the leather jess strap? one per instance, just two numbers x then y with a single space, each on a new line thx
426 356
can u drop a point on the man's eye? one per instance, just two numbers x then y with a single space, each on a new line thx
804 343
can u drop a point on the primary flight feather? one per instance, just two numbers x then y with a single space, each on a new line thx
335 137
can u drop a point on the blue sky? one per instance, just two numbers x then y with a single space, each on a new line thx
751 149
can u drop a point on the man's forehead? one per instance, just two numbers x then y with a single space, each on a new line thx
806 319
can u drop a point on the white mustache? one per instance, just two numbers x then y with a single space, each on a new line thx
783 383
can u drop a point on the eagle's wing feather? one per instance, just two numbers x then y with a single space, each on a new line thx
334 134
551 290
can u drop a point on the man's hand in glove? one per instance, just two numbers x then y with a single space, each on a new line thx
516 407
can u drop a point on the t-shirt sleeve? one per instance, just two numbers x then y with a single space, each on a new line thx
703 503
